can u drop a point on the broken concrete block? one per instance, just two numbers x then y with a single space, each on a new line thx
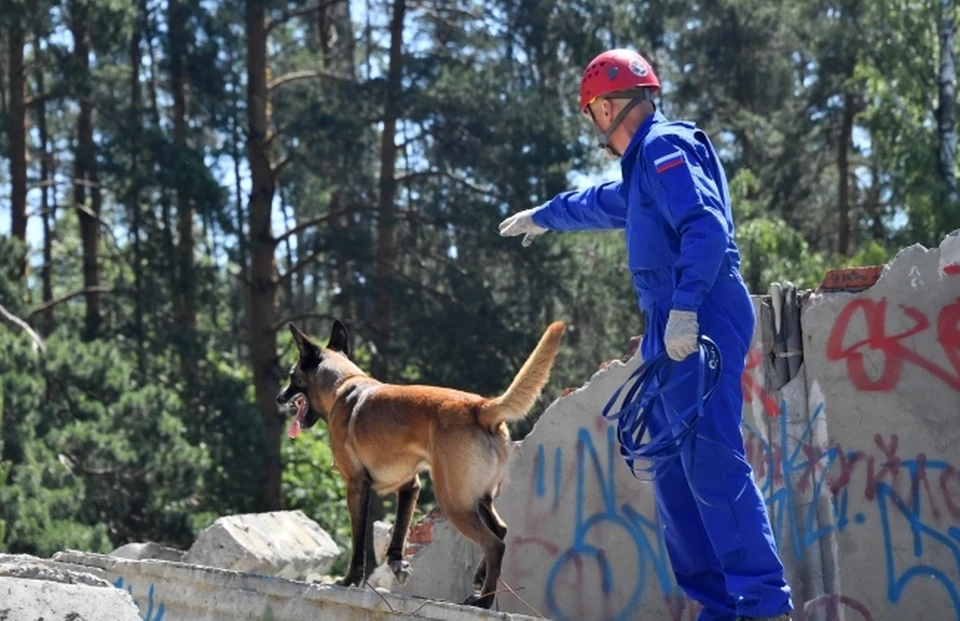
382 531
443 561
285 544
148 551
30 590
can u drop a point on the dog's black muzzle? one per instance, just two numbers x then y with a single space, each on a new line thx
286 394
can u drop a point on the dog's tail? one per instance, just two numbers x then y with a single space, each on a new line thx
529 381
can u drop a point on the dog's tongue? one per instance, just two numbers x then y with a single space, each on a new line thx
294 430
295 427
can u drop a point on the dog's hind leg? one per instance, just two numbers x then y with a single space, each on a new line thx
406 503
471 526
358 504
369 548
493 521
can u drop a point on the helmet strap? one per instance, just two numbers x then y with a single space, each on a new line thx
636 97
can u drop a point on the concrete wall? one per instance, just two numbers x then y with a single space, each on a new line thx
853 437
173 591
32 590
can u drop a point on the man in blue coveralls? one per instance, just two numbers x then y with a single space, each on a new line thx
673 204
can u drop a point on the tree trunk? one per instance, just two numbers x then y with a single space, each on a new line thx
845 142
386 218
133 198
185 292
84 173
46 210
17 132
872 203
261 299
338 47
947 107
236 154
843 174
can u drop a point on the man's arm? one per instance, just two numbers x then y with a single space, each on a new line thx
692 204
598 207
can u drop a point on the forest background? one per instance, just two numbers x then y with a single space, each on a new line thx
179 178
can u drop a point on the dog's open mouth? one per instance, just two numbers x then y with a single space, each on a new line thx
300 402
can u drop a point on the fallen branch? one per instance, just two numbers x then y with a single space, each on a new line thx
20 323
380 595
523 601
410 176
306 75
69 296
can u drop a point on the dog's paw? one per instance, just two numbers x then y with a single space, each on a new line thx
480 601
348 581
401 570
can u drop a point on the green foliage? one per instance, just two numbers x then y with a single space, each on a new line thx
771 249
153 429
312 484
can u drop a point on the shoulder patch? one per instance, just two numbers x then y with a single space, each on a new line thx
668 161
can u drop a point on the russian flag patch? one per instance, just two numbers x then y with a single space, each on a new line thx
671 160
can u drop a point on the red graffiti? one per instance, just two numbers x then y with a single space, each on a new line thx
892 345
833 467
551 548
679 604
952 270
891 465
947 476
763 459
834 607
753 389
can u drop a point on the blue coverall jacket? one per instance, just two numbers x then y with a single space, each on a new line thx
673 204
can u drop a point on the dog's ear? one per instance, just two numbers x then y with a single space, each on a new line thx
339 338
309 352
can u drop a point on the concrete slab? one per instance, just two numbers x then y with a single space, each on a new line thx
31 590
169 591
286 544
886 366
142 551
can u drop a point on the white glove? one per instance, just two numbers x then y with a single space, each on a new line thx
522 223
680 337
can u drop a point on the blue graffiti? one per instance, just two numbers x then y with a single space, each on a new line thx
150 614
643 536
803 533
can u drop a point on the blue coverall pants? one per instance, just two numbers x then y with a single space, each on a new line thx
723 553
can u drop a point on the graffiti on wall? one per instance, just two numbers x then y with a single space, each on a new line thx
752 384
915 501
615 556
895 349
154 610
581 569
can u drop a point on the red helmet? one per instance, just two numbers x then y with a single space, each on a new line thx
615 70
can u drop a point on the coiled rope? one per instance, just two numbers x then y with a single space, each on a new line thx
650 382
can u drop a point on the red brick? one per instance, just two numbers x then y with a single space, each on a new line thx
851 278
421 533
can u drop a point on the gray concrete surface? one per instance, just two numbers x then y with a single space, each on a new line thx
31 590
853 442
884 369
148 550
852 432
170 591
286 544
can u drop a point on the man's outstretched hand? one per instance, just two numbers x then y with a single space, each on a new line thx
522 223
680 336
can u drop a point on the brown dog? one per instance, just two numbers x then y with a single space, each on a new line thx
383 436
